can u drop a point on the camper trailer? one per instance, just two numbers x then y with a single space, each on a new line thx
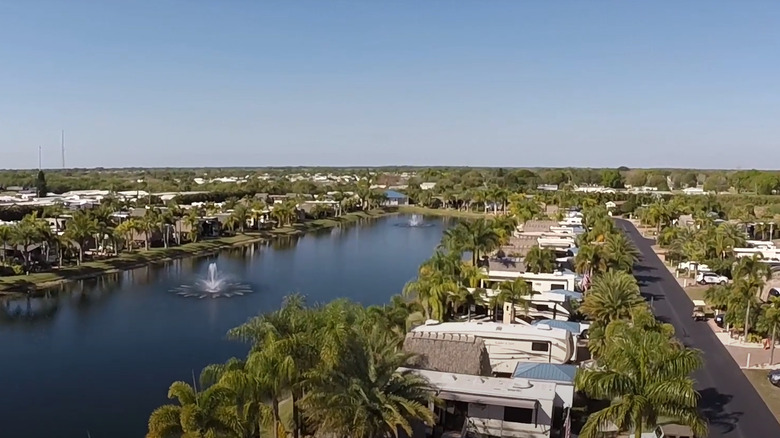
508 344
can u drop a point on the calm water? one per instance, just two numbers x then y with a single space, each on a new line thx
98 357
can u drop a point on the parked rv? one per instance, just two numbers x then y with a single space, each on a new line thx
509 344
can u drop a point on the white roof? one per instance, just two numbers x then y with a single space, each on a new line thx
489 390
699 303
494 329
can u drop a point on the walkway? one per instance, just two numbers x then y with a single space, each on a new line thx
729 402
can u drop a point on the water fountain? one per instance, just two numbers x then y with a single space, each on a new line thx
416 221
213 286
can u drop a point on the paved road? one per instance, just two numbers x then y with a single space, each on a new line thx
733 408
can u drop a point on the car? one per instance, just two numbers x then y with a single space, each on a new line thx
693 266
711 278
720 319
774 377
699 310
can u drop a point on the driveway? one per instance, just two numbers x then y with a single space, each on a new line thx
729 402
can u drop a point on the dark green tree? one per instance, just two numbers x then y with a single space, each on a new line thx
40 185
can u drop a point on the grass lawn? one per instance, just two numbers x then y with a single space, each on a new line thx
138 258
126 260
696 292
769 393
413 209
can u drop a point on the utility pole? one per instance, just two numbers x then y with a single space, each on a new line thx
62 146
39 158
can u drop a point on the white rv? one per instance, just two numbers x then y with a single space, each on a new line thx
554 304
509 344
556 242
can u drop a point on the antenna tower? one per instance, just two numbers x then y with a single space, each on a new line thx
62 146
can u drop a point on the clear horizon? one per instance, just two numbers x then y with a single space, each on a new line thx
178 83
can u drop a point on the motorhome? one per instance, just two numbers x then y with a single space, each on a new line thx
556 242
554 305
541 282
761 244
570 230
499 407
509 344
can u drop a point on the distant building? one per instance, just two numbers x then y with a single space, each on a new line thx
395 199
694 191
427 185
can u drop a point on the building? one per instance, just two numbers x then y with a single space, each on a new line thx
498 407
394 199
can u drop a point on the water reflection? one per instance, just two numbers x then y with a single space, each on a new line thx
126 333
29 309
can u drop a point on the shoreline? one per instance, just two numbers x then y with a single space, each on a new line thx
413 209
26 284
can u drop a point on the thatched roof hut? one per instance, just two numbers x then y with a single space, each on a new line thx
448 353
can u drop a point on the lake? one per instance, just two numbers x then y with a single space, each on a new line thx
96 357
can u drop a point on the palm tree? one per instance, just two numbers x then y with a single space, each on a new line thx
540 260
505 226
147 225
28 232
749 275
771 319
448 263
249 392
241 214
515 291
465 298
230 223
125 231
198 414
192 220
621 252
645 376
432 289
524 209
471 276
478 237
366 395
6 235
591 259
284 351
718 296
284 213
79 229
613 296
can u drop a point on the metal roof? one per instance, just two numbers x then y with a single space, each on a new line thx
545 371
392 194
573 327
568 293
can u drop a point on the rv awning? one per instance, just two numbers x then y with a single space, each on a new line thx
488 400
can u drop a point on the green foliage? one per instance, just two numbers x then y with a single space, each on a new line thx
612 179
338 364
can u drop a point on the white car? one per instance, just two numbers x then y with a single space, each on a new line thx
711 278
693 266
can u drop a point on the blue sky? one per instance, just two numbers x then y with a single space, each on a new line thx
493 83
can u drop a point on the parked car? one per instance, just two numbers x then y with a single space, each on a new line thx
693 266
699 310
720 319
711 278
774 377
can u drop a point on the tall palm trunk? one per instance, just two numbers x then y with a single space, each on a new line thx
772 347
747 321
296 414
277 420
